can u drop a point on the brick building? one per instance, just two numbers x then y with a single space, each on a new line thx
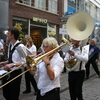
38 18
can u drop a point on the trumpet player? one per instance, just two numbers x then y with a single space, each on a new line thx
11 91
76 76
49 70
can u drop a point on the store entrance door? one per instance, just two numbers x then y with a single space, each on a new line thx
36 37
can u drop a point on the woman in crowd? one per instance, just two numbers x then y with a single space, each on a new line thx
28 77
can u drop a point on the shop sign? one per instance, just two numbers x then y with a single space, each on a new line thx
63 31
40 20
71 10
64 19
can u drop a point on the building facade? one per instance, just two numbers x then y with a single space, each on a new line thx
90 6
38 18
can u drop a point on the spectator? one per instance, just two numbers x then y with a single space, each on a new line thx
93 59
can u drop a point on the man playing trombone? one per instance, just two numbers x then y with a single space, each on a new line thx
11 91
49 69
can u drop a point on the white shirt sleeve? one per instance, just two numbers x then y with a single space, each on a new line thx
84 54
1 46
58 68
33 48
66 57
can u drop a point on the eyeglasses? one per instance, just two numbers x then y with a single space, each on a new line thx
45 46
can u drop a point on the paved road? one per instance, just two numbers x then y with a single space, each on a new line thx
91 88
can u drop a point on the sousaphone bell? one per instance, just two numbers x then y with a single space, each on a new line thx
79 26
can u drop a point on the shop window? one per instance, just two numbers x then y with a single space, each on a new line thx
87 7
41 4
52 6
93 10
23 23
98 14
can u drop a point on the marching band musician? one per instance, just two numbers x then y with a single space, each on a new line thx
76 76
49 70
11 91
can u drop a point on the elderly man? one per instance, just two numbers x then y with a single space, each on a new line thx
93 59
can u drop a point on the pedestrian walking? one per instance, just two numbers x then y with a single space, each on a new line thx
93 59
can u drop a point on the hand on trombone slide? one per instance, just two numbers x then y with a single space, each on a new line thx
6 66
2 64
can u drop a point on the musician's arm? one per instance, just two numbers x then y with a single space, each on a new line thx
67 56
3 63
83 57
30 71
50 70
11 65
1 50
33 54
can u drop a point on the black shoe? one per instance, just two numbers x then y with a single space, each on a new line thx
25 92
86 78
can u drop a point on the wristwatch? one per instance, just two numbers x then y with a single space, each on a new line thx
14 64
47 64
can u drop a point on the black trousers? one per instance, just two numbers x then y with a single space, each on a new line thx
30 79
95 67
51 95
12 90
75 80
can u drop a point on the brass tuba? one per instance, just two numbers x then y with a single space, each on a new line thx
79 26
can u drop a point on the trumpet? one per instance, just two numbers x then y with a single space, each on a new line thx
31 62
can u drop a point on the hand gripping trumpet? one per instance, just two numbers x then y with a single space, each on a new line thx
31 62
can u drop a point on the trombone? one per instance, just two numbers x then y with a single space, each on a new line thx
31 62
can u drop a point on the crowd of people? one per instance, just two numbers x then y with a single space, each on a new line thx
49 68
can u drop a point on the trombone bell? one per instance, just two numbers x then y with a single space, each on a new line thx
31 63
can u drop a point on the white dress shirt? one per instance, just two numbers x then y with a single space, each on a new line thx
44 82
81 55
33 48
16 57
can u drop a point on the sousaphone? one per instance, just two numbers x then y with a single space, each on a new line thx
79 26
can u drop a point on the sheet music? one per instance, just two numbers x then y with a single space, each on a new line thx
23 51
66 48
2 71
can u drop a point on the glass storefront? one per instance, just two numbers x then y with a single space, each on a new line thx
36 28
23 23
